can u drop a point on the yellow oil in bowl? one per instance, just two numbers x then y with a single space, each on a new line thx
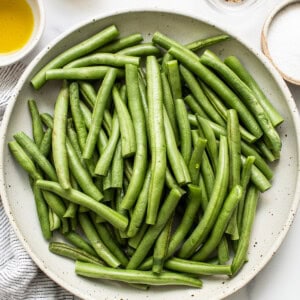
16 25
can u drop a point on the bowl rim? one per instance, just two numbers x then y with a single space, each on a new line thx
10 58
259 55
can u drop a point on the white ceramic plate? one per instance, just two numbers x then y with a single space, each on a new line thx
276 207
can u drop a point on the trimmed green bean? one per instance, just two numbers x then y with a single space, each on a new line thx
89 45
107 155
42 212
37 126
169 104
55 203
24 160
98 112
145 49
77 240
223 250
111 216
140 132
198 268
157 138
196 158
206 42
135 240
105 59
98 245
165 212
77 114
248 218
117 168
126 125
161 247
214 205
234 64
30 147
184 130
134 276
66 250
46 142
174 79
121 43
54 220
219 228
194 106
207 174
192 207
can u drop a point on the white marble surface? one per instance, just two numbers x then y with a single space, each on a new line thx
280 278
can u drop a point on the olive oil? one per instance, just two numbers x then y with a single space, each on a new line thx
16 25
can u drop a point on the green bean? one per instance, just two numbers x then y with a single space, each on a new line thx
196 158
248 218
106 157
88 92
170 180
143 94
214 205
134 276
47 119
78 241
105 236
42 212
98 112
258 178
145 49
66 250
184 130
165 212
37 126
55 203
157 138
198 268
24 160
105 59
59 150
31 148
212 148
169 104
98 245
118 200
219 228
234 146
46 142
83 73
223 251
81 175
208 174
211 60
54 220
135 240
265 151
126 125
202 100
117 168
140 132
220 88
121 43
194 106
71 211
174 79
77 114
87 46
128 169
204 196
245 178
234 64
260 163
175 158
161 247
197 45
77 197
192 207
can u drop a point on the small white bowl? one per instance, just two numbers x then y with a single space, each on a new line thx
37 7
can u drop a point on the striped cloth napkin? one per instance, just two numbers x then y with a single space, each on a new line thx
20 278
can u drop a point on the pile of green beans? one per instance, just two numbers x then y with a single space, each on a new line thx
153 161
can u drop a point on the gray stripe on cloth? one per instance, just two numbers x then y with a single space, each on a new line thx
20 278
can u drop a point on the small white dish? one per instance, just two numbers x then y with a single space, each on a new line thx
280 40
37 7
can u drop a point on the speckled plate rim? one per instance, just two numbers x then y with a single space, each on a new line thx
277 78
